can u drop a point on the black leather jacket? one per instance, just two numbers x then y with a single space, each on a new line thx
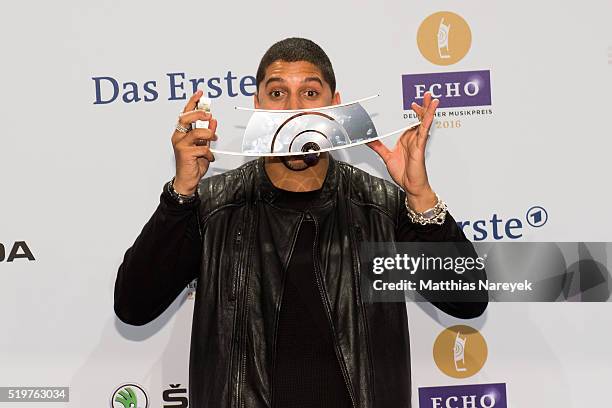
246 241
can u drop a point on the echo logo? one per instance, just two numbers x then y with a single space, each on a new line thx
18 250
497 228
464 396
453 89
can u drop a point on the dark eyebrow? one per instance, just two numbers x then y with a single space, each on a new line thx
274 79
316 79
279 79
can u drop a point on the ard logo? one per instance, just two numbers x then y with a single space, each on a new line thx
18 250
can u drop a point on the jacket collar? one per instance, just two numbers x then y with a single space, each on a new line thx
267 191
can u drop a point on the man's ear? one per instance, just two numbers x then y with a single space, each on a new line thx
336 99
256 100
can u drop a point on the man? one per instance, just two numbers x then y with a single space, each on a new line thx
279 320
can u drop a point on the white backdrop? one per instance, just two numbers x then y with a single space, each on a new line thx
81 178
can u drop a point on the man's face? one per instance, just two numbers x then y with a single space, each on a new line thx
294 85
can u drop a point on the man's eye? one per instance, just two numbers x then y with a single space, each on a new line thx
310 93
276 94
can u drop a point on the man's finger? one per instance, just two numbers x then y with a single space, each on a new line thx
189 115
423 133
192 103
202 152
185 119
194 135
429 114
404 139
380 148
212 125
418 110
210 132
426 100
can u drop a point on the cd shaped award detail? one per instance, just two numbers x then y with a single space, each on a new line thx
298 132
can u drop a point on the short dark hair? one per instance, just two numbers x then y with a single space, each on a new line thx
297 49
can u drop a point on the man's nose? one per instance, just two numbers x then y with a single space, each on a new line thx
294 102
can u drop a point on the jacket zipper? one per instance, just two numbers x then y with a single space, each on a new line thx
321 293
239 330
237 324
248 225
242 344
233 293
237 264
357 267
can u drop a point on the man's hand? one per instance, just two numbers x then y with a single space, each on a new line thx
191 156
406 162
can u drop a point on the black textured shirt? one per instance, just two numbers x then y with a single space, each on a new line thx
306 371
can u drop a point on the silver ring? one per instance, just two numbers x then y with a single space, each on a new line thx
181 128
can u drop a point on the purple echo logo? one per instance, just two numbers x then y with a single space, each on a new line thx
453 89
464 396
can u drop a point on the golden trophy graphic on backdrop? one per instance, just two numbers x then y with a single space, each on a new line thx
443 32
